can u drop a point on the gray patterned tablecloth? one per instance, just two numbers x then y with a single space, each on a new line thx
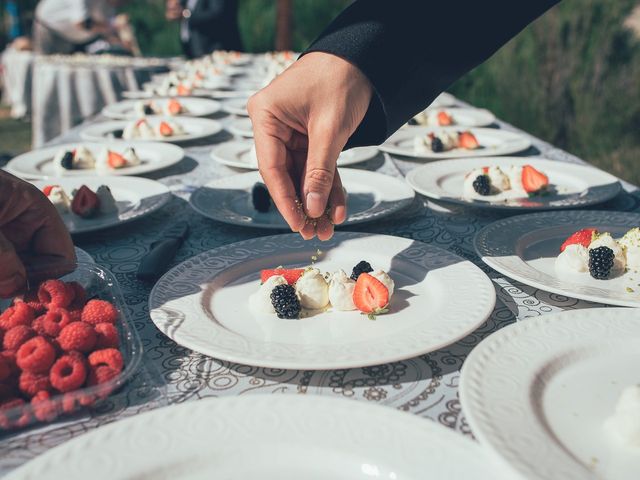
426 386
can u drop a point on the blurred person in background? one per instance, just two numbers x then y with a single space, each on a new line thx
206 25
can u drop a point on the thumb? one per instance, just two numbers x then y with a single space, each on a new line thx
13 276
320 169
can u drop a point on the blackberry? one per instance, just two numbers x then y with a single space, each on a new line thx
67 160
600 262
147 109
482 185
413 121
361 267
117 133
260 197
436 145
284 300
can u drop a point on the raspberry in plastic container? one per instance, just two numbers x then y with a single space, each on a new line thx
41 401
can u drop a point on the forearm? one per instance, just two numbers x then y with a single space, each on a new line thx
413 50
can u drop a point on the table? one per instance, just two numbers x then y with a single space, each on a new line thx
426 386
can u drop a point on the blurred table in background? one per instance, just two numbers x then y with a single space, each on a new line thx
16 79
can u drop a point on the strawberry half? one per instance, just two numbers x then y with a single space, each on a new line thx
85 202
533 180
291 275
183 91
582 237
165 129
467 140
174 107
115 160
370 295
444 118
47 189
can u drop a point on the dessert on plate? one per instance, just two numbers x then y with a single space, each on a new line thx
434 118
298 292
171 107
495 184
143 130
81 158
444 141
83 202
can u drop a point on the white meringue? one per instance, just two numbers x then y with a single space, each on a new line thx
107 202
574 258
60 199
312 290
385 279
341 291
631 243
260 301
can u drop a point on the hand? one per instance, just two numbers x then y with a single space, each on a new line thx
31 234
301 122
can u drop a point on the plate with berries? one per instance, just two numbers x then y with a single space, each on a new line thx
281 302
454 142
244 200
445 117
132 109
87 204
590 255
89 158
513 183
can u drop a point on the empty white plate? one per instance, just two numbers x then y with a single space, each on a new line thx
439 298
135 198
538 392
525 248
571 185
370 196
195 107
269 437
492 142
153 156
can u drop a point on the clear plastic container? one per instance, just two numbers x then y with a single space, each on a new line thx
99 283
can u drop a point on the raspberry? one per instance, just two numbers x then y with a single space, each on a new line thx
11 415
99 375
68 373
110 357
31 299
32 383
44 408
36 355
10 357
5 369
19 314
99 311
70 402
17 336
54 293
107 336
79 294
76 314
53 321
78 336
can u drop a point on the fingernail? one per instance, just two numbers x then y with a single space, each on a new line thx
315 204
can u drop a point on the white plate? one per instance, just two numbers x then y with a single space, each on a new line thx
537 392
236 106
572 185
240 154
443 100
370 196
493 142
135 197
269 437
202 303
154 156
466 117
196 107
525 248
195 128
241 127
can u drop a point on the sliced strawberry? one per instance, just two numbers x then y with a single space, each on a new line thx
582 237
140 122
533 180
165 129
291 275
183 91
174 106
85 202
370 295
485 170
444 118
467 140
115 160
47 189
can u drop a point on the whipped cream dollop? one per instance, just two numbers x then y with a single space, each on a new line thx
260 301
138 129
60 199
624 425
341 291
312 290
385 279
423 143
515 178
107 202
499 180
606 240
130 155
631 243
574 258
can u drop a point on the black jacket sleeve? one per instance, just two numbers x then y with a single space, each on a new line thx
412 50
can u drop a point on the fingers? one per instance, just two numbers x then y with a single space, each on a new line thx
338 201
13 276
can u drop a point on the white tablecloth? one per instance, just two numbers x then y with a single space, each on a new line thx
16 80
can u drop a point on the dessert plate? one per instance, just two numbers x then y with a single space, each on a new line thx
195 128
240 154
525 248
465 117
196 107
241 127
202 303
135 198
268 437
38 164
370 196
571 185
493 142
537 393
236 106
443 100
